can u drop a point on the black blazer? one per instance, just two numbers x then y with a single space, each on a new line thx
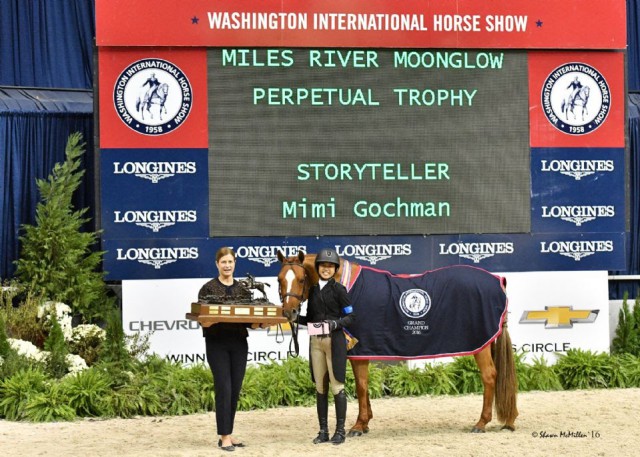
329 304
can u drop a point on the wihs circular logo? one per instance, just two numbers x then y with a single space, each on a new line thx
576 98
153 96
415 303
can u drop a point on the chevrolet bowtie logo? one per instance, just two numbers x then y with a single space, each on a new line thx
559 316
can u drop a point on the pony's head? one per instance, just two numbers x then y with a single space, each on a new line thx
293 284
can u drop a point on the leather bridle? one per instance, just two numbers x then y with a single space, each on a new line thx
299 297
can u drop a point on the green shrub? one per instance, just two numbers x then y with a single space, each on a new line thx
16 390
521 369
57 259
5 347
122 401
627 339
538 376
377 375
167 388
440 379
157 386
14 363
178 393
142 382
57 365
114 349
271 385
636 318
466 375
252 396
86 341
22 321
403 381
377 387
203 379
630 369
138 345
580 369
85 392
49 406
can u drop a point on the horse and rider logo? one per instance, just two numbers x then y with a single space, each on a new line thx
153 96
576 98
415 303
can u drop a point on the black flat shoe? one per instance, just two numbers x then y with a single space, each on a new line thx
226 448
232 444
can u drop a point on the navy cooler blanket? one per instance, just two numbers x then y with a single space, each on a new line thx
446 312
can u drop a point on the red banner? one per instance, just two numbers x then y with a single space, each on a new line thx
565 115
501 24
137 114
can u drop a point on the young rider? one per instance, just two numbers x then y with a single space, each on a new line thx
328 304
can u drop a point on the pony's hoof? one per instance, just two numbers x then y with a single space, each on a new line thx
477 430
511 428
353 433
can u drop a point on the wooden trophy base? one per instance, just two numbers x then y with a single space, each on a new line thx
209 314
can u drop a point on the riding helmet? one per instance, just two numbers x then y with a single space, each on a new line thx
327 255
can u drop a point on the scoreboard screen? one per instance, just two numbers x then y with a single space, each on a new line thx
306 142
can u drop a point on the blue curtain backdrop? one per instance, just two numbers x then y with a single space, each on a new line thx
618 288
49 44
34 128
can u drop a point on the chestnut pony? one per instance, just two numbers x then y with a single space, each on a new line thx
495 360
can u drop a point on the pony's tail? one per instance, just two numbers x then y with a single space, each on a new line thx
506 380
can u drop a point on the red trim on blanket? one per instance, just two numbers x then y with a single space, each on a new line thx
414 275
348 280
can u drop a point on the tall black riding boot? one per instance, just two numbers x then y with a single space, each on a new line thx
341 416
322 405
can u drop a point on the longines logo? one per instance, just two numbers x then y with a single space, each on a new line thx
559 316
577 169
267 255
155 220
576 98
578 215
373 253
153 96
154 171
476 251
157 257
576 249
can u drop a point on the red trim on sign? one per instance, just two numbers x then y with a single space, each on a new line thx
115 133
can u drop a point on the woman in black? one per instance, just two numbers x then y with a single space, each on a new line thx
227 348
328 303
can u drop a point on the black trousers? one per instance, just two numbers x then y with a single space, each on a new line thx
227 359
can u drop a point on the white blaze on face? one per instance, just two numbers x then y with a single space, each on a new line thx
290 277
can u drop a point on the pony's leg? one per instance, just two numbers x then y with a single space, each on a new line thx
361 374
488 375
